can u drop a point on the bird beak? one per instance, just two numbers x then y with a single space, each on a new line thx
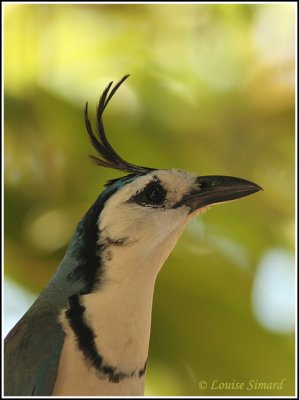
217 189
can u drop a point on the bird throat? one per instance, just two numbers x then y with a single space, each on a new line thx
108 331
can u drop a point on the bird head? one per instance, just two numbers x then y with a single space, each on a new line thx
154 207
143 213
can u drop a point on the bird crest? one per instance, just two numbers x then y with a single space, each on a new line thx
107 156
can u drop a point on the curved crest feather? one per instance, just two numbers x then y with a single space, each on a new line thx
107 155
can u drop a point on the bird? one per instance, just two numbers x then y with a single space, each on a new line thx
88 331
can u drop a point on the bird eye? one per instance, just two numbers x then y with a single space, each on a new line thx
152 195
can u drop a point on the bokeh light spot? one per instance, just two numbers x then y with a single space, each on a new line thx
273 295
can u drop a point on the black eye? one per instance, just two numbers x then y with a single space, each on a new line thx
152 195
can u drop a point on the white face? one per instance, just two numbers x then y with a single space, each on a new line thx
141 222
133 212
142 215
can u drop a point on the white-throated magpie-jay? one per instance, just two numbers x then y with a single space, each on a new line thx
88 331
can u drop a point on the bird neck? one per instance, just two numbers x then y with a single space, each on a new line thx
119 310
108 328
108 333
120 317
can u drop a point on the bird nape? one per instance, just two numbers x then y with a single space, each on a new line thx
88 331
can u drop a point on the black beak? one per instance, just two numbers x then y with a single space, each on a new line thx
217 189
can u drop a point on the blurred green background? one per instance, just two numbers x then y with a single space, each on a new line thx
211 91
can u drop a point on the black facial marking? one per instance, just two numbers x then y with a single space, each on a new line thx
90 265
84 334
141 372
116 242
152 195
86 342
89 252
107 242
